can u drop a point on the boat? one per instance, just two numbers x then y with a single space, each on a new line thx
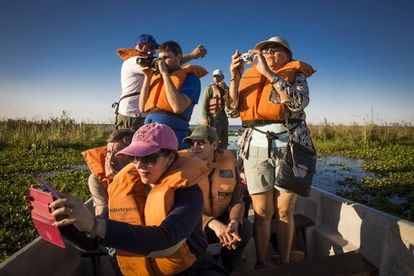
340 237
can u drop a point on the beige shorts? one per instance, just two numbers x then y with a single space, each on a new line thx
261 171
132 123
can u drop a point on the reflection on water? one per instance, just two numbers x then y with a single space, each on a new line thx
232 142
332 172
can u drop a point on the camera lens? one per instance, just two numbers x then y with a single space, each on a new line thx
145 61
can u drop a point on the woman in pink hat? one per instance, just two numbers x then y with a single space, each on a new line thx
155 208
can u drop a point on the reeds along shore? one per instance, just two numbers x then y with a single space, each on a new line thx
369 133
65 131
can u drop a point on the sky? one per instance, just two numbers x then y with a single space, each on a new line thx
60 55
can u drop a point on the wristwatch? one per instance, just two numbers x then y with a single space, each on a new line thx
275 79
238 221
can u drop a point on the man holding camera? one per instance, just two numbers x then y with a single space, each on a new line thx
169 96
135 60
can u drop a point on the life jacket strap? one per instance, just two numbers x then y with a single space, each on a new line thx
179 116
159 111
266 122
270 135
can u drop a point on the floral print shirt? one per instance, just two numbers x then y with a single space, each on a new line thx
298 92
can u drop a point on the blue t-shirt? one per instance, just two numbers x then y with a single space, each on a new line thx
192 89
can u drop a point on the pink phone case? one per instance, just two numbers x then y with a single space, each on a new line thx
43 219
47 186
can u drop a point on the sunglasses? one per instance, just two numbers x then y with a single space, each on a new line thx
152 158
273 49
199 142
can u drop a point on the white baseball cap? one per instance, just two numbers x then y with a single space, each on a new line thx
274 40
218 72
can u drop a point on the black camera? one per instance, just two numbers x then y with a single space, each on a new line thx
147 61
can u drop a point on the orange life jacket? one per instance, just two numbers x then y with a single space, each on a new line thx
126 53
215 103
95 159
255 93
157 99
128 203
219 186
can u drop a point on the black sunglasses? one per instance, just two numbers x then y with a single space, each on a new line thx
199 142
273 49
152 158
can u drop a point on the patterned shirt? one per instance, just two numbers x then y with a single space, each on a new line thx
298 92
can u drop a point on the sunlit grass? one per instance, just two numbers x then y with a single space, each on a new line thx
364 135
61 132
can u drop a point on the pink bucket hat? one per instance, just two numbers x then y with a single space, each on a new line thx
149 139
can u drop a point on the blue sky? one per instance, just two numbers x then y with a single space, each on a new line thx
59 55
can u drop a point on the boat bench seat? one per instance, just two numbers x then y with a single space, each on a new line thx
350 263
299 240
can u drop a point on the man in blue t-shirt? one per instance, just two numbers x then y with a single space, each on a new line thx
166 102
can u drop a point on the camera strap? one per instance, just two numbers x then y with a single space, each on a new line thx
116 104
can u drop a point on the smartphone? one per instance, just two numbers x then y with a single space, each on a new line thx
47 187
41 212
42 217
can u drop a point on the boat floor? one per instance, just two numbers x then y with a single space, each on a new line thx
246 264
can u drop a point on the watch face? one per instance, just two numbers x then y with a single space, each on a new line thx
274 97
274 80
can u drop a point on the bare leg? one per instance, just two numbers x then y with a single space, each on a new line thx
285 227
263 211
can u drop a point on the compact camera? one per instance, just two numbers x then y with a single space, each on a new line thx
246 57
146 61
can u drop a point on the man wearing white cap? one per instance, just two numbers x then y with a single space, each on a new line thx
213 107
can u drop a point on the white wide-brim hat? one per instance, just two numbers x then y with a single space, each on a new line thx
274 40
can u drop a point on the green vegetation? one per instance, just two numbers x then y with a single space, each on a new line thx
387 150
52 148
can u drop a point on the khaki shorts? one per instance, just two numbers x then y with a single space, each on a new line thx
261 171
132 123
